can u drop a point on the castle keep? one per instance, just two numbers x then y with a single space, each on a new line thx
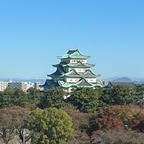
72 71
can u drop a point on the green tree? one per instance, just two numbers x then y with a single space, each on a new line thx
85 99
139 99
11 97
34 96
118 95
123 95
106 97
50 126
53 98
140 91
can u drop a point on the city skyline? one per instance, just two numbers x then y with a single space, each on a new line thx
34 33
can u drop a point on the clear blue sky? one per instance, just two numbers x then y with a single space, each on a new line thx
34 32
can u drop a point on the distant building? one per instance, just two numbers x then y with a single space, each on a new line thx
37 86
24 86
73 71
3 85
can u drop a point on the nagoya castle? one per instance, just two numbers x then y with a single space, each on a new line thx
73 71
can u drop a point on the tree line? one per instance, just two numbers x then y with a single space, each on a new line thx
87 116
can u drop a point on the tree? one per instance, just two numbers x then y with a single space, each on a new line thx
118 95
105 122
118 111
85 99
140 91
50 126
139 124
80 120
127 114
118 137
139 99
53 98
106 97
12 121
80 137
13 97
34 96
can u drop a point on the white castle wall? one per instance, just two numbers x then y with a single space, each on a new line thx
72 80
91 80
79 70
75 80
73 60
77 60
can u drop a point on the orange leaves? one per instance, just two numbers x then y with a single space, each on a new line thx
105 122
130 115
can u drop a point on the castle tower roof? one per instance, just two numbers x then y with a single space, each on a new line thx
73 54
79 64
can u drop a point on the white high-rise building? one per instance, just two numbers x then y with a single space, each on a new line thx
3 85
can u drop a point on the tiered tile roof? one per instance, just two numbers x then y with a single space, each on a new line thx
58 77
74 54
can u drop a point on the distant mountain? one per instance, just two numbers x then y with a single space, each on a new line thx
126 79
122 79
119 79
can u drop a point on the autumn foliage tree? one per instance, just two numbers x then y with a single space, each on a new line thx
12 120
127 114
80 137
138 124
118 136
80 120
80 125
105 122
